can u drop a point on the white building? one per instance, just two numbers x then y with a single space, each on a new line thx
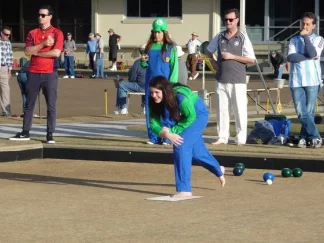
265 20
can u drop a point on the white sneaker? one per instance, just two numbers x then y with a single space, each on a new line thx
123 111
190 78
302 143
66 76
113 69
149 142
116 112
166 144
72 77
197 74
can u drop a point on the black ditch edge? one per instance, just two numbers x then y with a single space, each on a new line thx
230 160
26 154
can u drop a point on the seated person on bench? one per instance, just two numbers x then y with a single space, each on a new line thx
135 83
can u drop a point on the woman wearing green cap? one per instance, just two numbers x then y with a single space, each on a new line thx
160 58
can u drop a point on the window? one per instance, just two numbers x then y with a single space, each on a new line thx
65 17
9 16
152 9
284 13
321 14
76 22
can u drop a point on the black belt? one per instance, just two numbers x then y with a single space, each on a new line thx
3 65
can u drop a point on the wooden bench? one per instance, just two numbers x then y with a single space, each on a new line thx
208 97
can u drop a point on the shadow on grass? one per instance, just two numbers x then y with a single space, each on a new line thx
85 138
261 182
113 185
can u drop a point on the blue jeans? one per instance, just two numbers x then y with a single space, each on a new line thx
305 104
69 65
99 66
280 70
123 88
22 80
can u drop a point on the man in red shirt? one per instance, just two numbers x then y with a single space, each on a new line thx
44 44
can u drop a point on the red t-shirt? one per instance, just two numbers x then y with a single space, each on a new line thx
44 64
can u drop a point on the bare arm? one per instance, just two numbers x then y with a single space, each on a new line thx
49 54
32 50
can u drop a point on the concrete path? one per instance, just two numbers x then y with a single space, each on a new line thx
106 128
111 128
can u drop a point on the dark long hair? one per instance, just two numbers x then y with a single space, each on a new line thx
166 41
169 100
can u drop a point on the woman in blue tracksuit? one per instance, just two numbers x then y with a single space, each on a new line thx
191 118
22 80
160 58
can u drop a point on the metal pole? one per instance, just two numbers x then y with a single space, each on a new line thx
39 107
263 82
242 15
203 76
265 87
106 102
317 6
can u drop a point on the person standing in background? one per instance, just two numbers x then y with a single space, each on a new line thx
6 59
22 81
69 49
305 82
114 46
90 53
160 57
234 52
44 44
99 57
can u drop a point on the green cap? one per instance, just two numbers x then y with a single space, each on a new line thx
160 24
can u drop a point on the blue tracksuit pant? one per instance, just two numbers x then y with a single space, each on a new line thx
193 148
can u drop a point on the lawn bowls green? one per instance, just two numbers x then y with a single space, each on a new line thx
297 172
286 172
237 171
240 165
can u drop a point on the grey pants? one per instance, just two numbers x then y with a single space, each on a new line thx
48 83
4 91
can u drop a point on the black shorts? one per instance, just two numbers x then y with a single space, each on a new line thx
113 53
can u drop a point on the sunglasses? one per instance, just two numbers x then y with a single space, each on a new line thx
6 34
43 15
230 20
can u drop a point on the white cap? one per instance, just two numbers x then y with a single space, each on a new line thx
179 51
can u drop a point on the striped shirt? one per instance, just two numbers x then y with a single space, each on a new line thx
308 72
6 57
